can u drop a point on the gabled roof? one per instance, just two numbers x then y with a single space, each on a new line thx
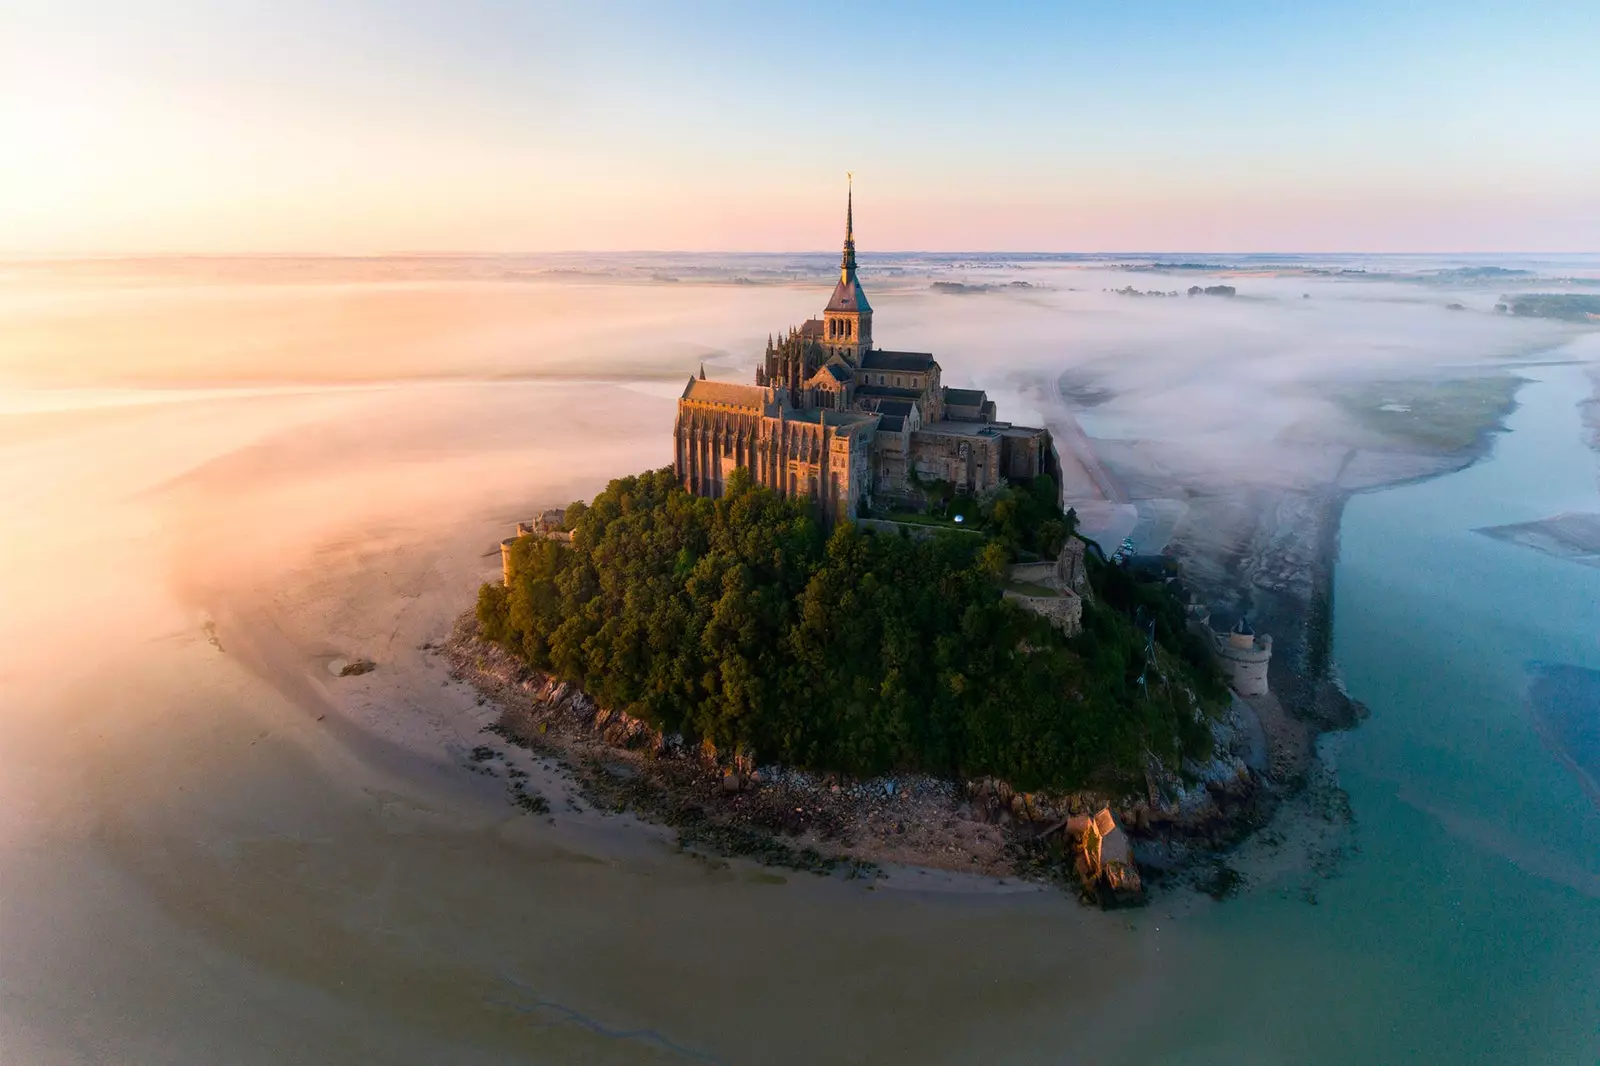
878 359
886 391
835 373
726 392
812 328
848 296
964 397
892 423
890 407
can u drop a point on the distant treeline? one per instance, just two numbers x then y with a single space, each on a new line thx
961 288
1146 267
1571 307
740 622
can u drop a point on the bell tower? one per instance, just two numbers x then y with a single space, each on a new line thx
847 320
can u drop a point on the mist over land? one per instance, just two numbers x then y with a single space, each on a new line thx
223 473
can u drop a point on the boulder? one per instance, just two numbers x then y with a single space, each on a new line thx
1120 885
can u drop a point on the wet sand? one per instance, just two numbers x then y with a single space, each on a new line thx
223 852
212 850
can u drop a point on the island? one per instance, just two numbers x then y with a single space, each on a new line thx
854 626
733 643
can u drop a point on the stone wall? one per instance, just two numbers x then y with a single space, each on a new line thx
1036 574
1065 611
917 530
547 527
1071 572
970 463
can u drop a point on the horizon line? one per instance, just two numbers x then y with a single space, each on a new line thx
14 256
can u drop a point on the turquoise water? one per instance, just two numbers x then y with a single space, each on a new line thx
1495 845
1466 928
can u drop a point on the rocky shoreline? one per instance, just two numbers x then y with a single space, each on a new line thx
1092 843
1277 566
1266 808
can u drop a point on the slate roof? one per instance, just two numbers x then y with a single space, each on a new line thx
893 407
811 328
879 359
886 392
848 296
964 397
892 423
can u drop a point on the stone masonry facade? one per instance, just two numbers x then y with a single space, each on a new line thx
849 426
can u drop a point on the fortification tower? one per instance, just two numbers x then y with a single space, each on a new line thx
847 320
1244 657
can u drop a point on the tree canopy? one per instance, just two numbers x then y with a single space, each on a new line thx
740 621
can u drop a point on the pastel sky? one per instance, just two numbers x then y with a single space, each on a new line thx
512 125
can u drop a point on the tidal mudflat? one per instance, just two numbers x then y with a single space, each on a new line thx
212 848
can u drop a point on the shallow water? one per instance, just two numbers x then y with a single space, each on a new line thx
213 852
1465 928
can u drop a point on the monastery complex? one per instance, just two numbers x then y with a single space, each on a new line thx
857 430
847 425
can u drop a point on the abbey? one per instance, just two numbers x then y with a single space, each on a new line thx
850 426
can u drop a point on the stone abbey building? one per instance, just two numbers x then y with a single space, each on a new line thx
848 425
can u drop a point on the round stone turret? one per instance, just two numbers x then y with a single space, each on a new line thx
505 558
1244 657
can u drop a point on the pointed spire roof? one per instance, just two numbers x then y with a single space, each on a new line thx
848 295
847 261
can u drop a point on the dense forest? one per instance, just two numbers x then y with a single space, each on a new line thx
742 622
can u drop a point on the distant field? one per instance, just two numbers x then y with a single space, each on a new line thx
1569 307
1443 416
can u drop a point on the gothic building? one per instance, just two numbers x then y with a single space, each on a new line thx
847 425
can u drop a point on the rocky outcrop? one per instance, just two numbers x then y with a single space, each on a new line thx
1071 574
1095 842
1078 829
1105 862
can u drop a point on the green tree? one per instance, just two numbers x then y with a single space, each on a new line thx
736 621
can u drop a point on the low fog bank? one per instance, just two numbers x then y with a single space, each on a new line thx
189 791
452 404
243 856
1273 386
217 483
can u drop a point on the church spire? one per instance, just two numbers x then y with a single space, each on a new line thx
847 262
849 206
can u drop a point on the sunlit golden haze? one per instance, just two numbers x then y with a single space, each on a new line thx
359 127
